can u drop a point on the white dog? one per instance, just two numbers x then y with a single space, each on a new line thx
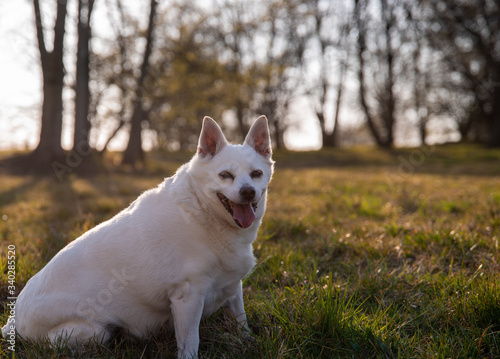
177 253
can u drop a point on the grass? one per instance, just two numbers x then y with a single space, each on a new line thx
362 254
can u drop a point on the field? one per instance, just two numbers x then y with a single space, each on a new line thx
362 254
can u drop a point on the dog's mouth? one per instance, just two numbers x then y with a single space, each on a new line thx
243 213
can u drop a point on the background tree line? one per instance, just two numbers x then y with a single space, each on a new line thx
390 67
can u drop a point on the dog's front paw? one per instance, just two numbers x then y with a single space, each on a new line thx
248 334
187 356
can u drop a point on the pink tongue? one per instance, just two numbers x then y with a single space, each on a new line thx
244 214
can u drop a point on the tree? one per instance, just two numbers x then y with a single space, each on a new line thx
189 80
284 49
236 40
467 35
419 66
228 60
82 93
332 61
380 61
115 71
49 148
134 152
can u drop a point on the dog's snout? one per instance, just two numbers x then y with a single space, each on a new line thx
247 193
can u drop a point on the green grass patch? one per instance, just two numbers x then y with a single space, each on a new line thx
358 255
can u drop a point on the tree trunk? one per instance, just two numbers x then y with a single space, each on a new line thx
361 75
242 127
82 93
383 131
420 93
331 139
120 83
278 136
389 118
49 148
134 152
327 139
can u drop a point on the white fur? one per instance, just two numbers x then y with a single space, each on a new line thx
173 255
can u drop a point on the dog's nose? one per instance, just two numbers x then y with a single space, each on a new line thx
247 193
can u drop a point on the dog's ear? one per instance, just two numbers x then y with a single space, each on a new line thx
212 139
258 137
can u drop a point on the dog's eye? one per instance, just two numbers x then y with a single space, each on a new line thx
226 175
256 174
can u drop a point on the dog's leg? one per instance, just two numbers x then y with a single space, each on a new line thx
77 333
187 310
237 309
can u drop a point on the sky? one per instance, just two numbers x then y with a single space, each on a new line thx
20 85
20 77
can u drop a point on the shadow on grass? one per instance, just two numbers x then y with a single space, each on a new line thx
440 159
11 195
91 165
455 158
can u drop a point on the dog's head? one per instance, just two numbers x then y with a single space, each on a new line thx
234 177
